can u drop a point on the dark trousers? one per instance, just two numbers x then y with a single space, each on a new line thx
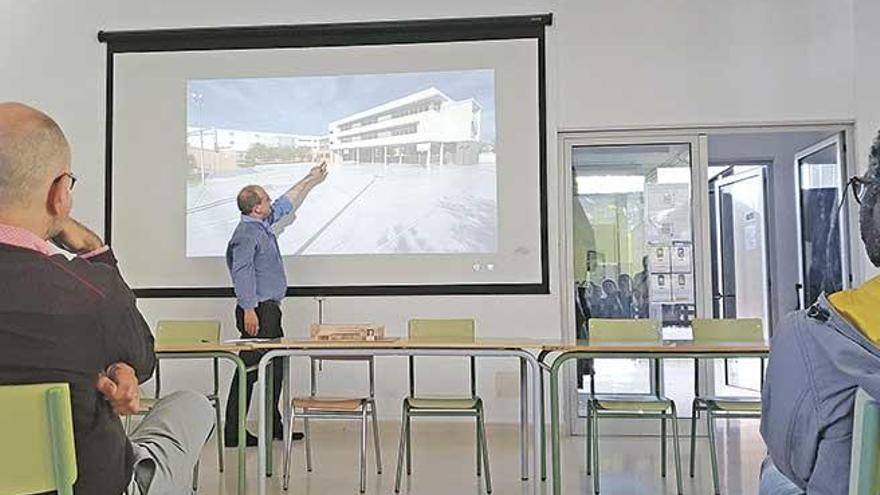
269 317
582 320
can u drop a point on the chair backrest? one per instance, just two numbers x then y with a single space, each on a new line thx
318 361
170 332
460 330
37 451
627 330
606 330
739 330
864 476
187 331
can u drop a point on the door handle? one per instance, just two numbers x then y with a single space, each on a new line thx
718 297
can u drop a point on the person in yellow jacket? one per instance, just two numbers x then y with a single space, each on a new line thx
819 357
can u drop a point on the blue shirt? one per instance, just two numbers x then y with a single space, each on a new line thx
254 260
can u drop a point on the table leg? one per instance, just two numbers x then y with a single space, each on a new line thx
269 386
241 369
554 425
524 417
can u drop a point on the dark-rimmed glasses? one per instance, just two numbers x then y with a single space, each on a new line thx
66 174
860 186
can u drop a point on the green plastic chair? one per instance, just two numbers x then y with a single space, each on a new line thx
443 331
182 332
37 452
629 405
864 478
706 332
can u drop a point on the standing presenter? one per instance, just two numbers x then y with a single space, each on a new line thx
257 272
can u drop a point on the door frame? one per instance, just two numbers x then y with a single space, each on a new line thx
568 137
699 225
760 171
843 217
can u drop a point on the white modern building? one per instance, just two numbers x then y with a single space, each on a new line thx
427 127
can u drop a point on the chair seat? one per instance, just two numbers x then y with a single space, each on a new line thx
733 404
328 403
632 403
456 403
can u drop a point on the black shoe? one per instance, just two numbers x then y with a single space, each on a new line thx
279 435
232 441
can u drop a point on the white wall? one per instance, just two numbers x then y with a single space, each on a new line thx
641 63
611 63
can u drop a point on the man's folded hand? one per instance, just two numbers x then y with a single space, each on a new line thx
119 385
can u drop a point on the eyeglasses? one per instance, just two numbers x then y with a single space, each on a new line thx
66 174
860 187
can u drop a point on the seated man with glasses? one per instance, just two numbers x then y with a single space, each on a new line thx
819 357
75 321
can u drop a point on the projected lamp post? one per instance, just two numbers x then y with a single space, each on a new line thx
199 99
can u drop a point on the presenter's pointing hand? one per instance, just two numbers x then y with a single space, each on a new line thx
251 323
318 173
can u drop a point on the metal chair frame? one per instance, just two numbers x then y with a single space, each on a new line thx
709 405
366 409
595 410
410 411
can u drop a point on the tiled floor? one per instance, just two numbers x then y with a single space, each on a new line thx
444 463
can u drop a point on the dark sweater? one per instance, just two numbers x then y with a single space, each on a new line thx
65 321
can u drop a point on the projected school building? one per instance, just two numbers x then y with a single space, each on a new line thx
424 128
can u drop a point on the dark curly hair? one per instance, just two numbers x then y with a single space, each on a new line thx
869 213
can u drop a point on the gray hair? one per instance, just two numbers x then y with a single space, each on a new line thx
29 154
248 198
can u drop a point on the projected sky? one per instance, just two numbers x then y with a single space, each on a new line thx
305 105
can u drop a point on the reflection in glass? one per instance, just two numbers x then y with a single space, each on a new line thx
633 245
819 175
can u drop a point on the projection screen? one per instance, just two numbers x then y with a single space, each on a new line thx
432 132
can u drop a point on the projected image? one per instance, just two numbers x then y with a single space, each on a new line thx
411 160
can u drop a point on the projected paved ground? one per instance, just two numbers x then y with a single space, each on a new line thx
359 209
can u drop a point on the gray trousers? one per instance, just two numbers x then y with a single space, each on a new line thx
774 482
168 442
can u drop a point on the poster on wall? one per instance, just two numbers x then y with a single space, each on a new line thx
658 259
681 257
683 287
667 212
661 287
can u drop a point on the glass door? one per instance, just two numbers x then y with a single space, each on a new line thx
822 246
742 282
633 254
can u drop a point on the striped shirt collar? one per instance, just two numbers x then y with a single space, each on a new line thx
23 238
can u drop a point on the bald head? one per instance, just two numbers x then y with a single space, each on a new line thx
249 197
33 151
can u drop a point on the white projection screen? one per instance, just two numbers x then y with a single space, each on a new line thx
433 133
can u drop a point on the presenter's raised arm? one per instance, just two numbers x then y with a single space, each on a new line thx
297 194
